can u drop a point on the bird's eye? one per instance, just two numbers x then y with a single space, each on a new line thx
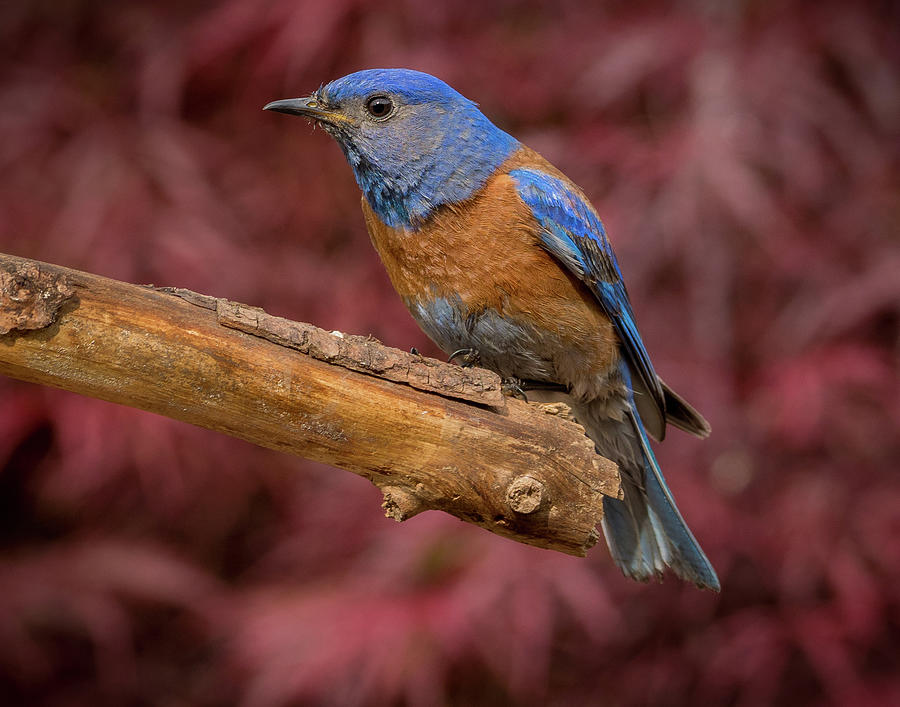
379 106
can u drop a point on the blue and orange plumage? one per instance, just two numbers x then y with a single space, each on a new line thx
496 251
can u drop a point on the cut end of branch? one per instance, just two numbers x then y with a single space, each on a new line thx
30 298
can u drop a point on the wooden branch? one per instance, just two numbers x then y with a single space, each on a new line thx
430 435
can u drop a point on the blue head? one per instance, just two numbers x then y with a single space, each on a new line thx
413 142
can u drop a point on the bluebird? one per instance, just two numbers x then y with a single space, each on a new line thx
502 259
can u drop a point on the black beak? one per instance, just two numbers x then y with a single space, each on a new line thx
308 107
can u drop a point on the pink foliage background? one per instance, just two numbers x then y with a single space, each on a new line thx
745 159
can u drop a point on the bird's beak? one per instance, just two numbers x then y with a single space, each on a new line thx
309 107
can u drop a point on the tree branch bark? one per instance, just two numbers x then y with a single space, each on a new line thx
430 435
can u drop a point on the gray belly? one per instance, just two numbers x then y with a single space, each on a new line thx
511 348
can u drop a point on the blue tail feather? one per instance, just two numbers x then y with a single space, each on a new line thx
646 532
688 559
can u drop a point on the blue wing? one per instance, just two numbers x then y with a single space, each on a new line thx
572 232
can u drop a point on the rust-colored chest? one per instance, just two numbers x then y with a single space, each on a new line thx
477 250
486 254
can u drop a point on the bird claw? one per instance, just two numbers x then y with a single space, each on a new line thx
467 357
513 387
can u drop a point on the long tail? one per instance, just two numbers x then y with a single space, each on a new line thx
645 532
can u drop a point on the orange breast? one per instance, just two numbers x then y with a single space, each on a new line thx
486 251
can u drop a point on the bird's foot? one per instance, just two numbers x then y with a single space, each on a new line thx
514 388
467 357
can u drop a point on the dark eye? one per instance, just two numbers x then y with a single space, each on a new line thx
379 106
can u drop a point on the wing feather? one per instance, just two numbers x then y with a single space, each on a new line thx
573 233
